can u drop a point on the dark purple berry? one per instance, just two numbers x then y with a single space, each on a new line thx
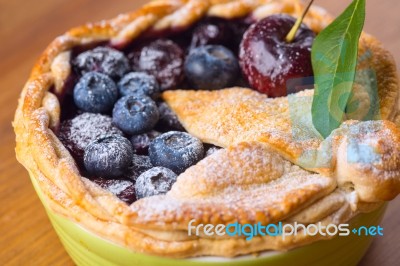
95 93
108 157
269 61
214 31
105 60
211 67
141 142
123 189
162 59
140 164
239 27
80 131
135 114
69 110
156 181
168 119
136 83
176 150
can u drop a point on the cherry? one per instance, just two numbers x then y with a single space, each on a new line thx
269 61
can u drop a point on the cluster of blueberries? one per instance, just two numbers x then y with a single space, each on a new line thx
125 138
206 67
107 86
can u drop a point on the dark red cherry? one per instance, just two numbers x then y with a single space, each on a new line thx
268 61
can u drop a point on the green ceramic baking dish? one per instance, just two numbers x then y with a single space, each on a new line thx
86 248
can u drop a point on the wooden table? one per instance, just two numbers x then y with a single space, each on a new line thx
26 27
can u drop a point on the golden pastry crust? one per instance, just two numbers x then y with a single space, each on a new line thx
71 195
365 154
245 183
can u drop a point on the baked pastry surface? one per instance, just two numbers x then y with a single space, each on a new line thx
265 152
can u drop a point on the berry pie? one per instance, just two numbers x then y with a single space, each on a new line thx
135 126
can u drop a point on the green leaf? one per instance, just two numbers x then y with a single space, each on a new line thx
334 59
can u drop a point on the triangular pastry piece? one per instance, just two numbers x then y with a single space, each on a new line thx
359 154
247 183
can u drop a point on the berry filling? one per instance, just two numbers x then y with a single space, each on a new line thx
168 120
124 138
161 58
141 142
123 189
140 164
105 60
82 130
211 67
136 83
212 31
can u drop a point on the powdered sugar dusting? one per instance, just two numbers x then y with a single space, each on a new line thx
123 189
108 156
176 150
118 187
140 164
220 188
234 115
80 131
102 59
156 181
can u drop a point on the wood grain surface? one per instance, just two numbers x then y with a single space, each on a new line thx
26 27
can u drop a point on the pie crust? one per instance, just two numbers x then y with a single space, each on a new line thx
260 176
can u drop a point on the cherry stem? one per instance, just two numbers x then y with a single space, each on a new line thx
293 31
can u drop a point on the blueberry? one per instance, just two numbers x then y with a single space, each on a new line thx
156 181
168 119
136 83
140 164
135 114
108 156
95 93
122 188
104 60
141 142
211 67
163 59
176 150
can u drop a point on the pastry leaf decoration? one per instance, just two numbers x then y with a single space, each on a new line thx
334 59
